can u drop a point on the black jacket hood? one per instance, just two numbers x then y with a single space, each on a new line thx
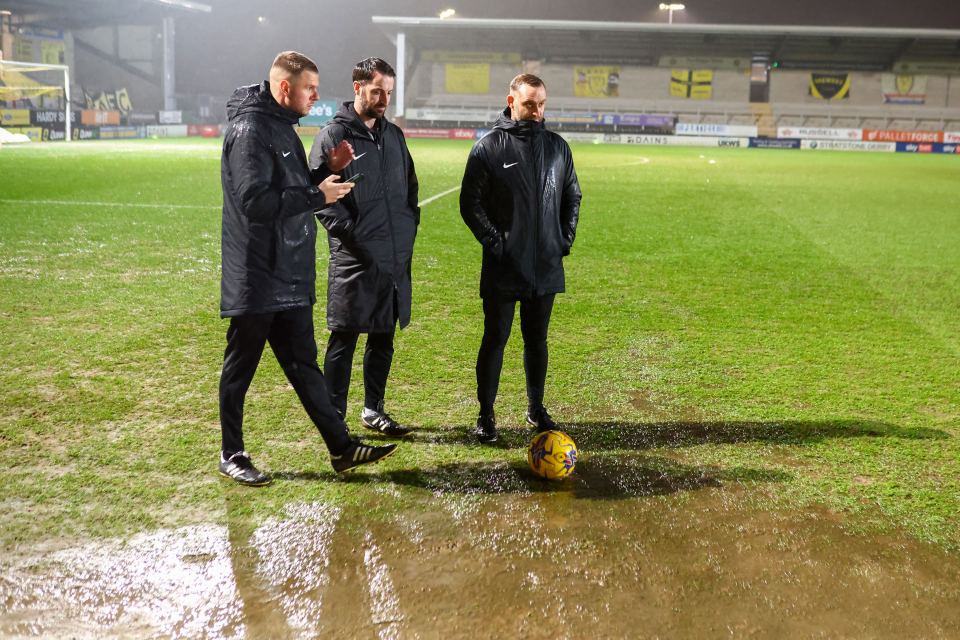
371 232
348 117
268 235
521 128
256 98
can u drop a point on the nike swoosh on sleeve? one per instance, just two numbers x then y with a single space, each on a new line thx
361 155
507 166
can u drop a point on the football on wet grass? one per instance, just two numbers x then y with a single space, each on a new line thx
552 455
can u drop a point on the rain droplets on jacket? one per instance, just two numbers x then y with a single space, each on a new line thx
268 237
372 230
521 199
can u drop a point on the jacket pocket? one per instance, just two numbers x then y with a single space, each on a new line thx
294 248
261 249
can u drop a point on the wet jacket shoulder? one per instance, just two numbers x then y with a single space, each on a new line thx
521 200
372 230
268 236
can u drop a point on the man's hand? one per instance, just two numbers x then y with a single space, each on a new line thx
333 190
340 156
495 242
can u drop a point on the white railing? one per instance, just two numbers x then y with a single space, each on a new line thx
480 109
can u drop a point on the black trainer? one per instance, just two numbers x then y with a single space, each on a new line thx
486 428
540 420
380 421
240 469
358 454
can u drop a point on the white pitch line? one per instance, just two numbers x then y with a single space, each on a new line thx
437 197
84 203
147 205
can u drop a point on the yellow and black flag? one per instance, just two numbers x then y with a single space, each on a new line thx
696 84
596 82
830 86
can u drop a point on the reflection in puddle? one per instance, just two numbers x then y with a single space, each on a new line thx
177 584
292 557
384 603
622 551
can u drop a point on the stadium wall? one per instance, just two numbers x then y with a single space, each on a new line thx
731 87
137 45
636 83
866 89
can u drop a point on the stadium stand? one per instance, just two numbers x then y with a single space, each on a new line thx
643 58
109 62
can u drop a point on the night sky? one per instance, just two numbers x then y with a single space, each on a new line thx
230 47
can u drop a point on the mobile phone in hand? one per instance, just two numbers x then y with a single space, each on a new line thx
354 179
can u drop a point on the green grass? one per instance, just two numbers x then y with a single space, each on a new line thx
789 321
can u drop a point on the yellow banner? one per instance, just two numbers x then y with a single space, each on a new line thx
596 82
489 57
696 84
830 86
51 52
468 78
109 101
34 133
904 88
13 117
15 85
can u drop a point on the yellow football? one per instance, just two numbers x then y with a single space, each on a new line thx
552 455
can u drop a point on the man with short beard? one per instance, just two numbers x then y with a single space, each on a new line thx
269 254
371 235
521 199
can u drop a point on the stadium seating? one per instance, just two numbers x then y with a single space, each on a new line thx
462 110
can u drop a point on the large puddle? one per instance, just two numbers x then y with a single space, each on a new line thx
618 551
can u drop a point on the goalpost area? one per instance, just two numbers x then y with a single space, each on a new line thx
34 102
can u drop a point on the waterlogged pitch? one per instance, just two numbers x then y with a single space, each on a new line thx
757 356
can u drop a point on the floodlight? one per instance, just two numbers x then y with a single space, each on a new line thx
447 13
670 8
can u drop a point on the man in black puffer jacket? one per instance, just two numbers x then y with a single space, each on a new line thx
371 235
269 254
521 199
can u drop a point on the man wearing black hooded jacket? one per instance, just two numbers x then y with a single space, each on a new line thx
269 253
371 235
521 199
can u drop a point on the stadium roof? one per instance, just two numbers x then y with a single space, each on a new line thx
644 43
78 14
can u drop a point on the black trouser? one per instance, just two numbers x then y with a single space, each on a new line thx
377 358
290 334
497 321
